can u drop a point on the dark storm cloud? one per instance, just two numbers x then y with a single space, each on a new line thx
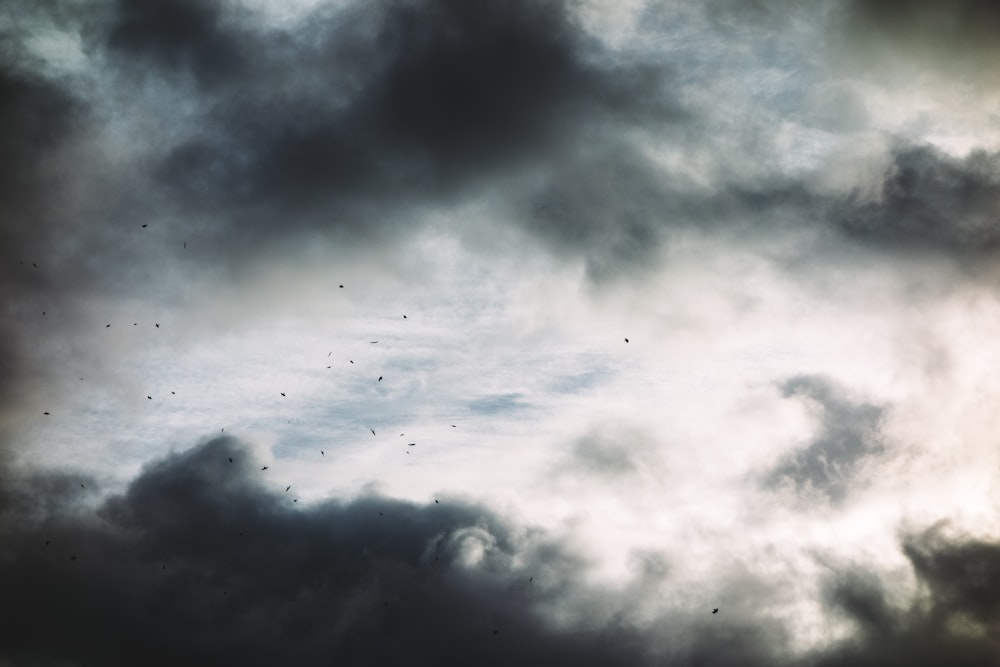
381 104
957 36
197 562
36 119
848 433
929 201
954 622
180 35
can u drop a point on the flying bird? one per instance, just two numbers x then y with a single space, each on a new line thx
106 326
341 287
436 501
715 611
230 460
45 413
157 325
626 340
379 378
150 397
373 341
282 393
322 452
144 226
530 579
411 444
404 317
73 557
288 487
46 543
174 393
372 430
264 468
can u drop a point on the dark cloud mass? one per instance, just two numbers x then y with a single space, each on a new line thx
198 562
848 432
383 105
929 200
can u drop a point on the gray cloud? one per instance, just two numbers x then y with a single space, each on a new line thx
928 200
196 561
849 432
953 623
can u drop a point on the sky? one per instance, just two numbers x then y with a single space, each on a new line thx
482 332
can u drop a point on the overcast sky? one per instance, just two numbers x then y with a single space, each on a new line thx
499 332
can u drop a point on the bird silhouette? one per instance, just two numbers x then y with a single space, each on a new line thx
150 397
264 468
372 430
379 378
106 326
46 543
282 393
373 341
322 452
530 579
288 487
45 413
230 460
341 287
436 501
157 325
144 226
715 611
411 444
626 340
73 557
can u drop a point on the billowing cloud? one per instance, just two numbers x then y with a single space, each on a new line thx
848 433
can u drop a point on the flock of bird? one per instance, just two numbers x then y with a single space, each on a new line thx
73 557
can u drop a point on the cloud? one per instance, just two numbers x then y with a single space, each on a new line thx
928 200
952 621
373 107
848 433
954 37
198 561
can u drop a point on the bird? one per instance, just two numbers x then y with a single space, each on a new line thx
372 430
411 444
82 486
495 631
185 244
296 500
380 514
626 340
322 452
46 543
106 326
530 579
157 325
379 378
373 341
288 487
150 397
436 501
230 459
715 611
352 361
282 393
135 324
144 226
341 287
45 413
264 468
404 317
453 426
43 313
72 557
174 393
34 265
